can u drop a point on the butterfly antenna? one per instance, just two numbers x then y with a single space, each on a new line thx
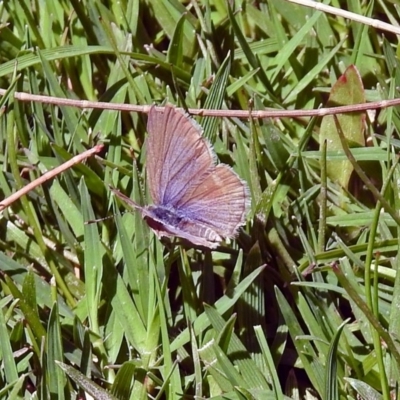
95 221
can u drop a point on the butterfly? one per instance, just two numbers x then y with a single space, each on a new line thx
193 198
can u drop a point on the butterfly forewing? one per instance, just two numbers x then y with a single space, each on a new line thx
177 155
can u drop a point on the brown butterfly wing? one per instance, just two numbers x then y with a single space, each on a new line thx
177 155
219 203
211 202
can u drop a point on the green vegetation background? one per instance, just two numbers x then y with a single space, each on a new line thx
304 304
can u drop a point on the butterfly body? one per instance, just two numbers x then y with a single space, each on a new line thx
166 222
166 214
193 198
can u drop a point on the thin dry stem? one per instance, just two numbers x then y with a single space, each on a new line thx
244 114
50 175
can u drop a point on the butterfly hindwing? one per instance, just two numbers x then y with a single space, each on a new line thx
219 202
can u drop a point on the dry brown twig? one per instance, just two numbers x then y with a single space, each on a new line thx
256 114
50 175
